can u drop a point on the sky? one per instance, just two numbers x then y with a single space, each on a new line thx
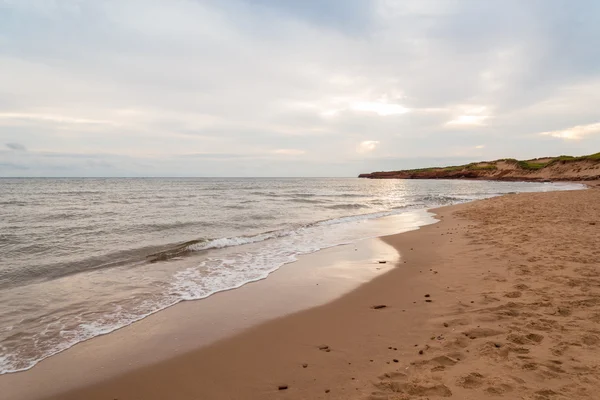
292 88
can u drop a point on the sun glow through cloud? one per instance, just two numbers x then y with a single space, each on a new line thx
383 109
469 115
468 120
575 133
289 152
367 146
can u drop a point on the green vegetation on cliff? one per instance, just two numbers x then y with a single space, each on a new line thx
548 168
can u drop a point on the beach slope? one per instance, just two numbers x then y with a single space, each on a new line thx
501 298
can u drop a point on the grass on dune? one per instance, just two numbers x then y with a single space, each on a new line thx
528 165
531 165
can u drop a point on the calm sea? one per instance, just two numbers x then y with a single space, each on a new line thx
82 257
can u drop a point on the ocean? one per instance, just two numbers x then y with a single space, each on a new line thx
83 257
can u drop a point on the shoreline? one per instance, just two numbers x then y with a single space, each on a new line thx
401 222
258 360
314 279
184 286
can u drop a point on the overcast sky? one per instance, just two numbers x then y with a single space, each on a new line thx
290 87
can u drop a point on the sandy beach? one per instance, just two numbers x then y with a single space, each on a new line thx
299 200
499 299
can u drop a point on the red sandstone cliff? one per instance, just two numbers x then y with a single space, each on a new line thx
563 168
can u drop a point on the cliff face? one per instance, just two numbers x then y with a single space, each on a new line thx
563 168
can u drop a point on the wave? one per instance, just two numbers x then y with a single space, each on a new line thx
261 237
308 195
158 226
220 243
303 194
65 216
306 201
74 193
173 252
13 203
167 252
434 199
268 194
352 195
236 207
14 277
351 206
238 240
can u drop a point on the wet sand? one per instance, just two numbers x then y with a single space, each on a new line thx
499 299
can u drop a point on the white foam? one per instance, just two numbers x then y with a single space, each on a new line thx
216 274
238 240
243 240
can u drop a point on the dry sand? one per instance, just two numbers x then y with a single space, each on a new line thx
502 298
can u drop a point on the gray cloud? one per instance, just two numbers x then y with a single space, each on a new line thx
16 146
13 167
196 87
353 17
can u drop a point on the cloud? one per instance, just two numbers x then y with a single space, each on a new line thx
289 152
217 156
575 132
367 146
464 120
16 146
383 109
353 17
51 118
469 115
12 166
219 87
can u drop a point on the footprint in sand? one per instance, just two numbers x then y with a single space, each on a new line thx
439 363
563 311
463 322
494 351
473 380
499 389
446 360
513 295
555 369
476 333
590 340
543 324
421 389
393 383
546 394
521 286
532 338
560 348
393 376
487 299
530 366
458 343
